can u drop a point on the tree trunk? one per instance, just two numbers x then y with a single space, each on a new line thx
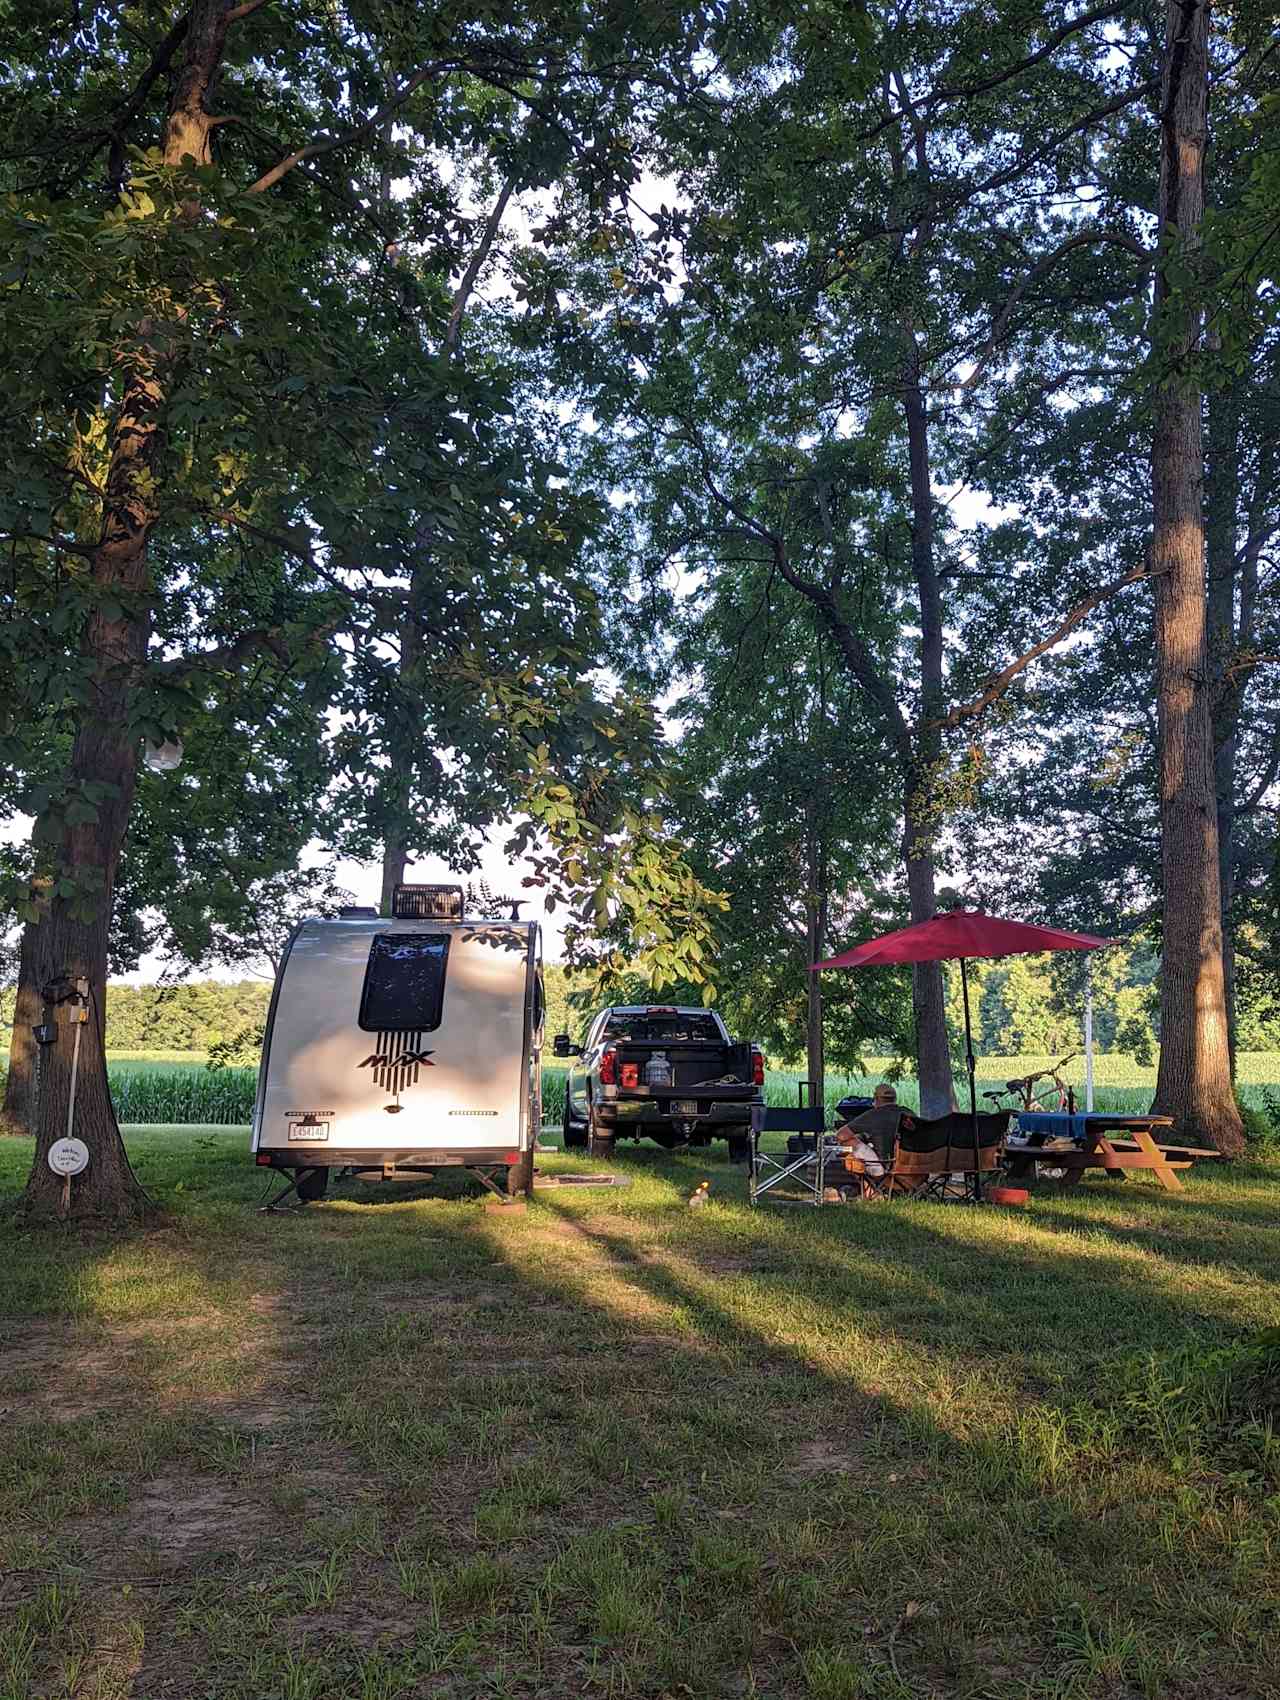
400 775
395 859
1221 522
100 780
928 991
72 941
18 1115
1194 1081
20 1084
817 949
396 848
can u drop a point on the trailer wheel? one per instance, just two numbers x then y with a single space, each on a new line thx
312 1184
574 1134
520 1175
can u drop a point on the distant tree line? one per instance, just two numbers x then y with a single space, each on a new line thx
1023 1005
193 1016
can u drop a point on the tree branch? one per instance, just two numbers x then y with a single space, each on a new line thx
857 654
999 682
1266 777
66 544
331 144
947 205
963 91
327 185
1042 268
1247 661
1024 164
454 327
300 552
228 657
160 61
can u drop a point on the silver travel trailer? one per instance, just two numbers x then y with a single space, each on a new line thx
396 1047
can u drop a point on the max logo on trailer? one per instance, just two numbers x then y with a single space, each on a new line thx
395 1064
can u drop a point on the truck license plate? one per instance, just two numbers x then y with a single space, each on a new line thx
684 1106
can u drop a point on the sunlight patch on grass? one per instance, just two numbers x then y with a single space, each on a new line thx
611 1446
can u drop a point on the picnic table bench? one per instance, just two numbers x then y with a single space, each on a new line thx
1096 1146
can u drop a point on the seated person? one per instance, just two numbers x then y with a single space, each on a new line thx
878 1126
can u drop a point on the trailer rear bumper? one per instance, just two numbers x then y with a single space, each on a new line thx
327 1157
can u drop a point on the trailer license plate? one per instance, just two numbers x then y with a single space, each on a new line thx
309 1126
684 1106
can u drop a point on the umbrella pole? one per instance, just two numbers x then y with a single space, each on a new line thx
973 1087
1088 1035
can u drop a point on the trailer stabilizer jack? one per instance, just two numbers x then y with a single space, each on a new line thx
276 1206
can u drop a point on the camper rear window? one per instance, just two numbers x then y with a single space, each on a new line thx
404 983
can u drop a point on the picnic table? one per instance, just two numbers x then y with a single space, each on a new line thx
1099 1140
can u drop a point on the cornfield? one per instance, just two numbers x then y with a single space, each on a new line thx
151 1091
176 1094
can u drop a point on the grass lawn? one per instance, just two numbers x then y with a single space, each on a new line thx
398 1445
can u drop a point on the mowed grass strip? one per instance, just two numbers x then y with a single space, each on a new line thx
398 1445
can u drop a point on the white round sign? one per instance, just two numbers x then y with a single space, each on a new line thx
68 1156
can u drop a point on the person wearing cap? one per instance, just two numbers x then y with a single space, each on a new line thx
877 1126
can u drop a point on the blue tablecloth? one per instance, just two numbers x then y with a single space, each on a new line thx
1054 1124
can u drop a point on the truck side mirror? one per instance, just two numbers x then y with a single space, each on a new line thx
562 1046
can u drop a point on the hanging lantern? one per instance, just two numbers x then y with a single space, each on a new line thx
162 758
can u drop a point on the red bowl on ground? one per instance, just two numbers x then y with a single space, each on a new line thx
1009 1195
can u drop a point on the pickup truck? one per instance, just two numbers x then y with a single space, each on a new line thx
713 1083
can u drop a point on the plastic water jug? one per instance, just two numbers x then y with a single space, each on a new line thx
657 1071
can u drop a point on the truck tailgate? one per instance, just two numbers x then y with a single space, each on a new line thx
697 1070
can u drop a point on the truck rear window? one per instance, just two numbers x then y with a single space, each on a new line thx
664 1029
404 983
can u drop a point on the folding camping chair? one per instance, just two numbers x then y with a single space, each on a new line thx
933 1159
805 1167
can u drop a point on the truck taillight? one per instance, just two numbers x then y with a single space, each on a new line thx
630 1074
609 1068
757 1068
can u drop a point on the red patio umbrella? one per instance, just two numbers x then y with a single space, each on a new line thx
958 936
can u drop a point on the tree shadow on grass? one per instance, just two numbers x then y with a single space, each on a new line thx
1063 1266
1182 1229
775 1389
648 1447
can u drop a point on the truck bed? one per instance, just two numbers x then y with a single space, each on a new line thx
697 1070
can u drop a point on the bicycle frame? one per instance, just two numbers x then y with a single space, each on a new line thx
1024 1088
